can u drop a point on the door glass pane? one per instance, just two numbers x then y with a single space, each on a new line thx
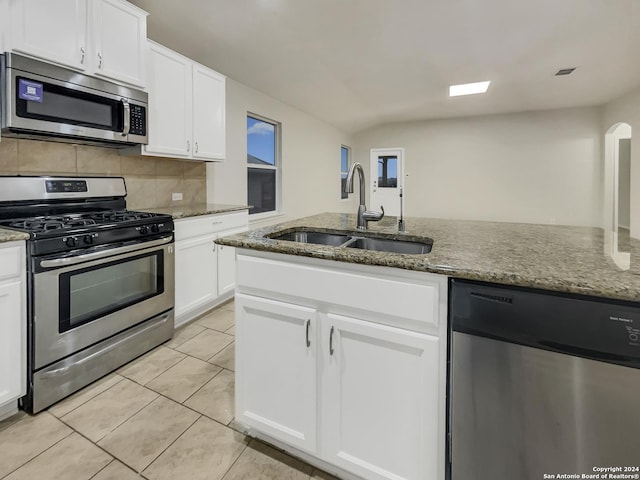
98 291
344 170
261 189
387 172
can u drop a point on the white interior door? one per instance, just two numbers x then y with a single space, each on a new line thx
387 174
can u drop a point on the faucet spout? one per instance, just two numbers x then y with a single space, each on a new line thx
364 216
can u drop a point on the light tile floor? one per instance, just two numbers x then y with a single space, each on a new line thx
165 416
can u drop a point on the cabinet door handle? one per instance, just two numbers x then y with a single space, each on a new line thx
188 145
307 327
196 147
331 341
82 52
99 60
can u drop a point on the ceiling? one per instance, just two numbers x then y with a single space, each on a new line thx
360 63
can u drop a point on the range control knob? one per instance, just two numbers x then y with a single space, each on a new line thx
70 241
144 230
154 228
87 239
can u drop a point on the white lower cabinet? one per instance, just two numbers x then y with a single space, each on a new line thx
13 341
204 271
196 273
380 400
277 393
359 392
226 269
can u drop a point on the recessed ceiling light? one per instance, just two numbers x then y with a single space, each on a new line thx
468 88
565 71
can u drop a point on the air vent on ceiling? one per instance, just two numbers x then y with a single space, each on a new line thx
565 71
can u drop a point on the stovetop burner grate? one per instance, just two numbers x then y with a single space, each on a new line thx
51 223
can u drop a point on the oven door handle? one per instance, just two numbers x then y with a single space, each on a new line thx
64 262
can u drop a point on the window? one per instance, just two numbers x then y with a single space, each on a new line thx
263 164
345 153
387 171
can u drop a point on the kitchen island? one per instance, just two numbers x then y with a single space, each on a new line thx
550 257
341 352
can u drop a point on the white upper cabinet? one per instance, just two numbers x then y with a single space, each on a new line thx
120 34
100 37
186 107
170 106
54 31
208 114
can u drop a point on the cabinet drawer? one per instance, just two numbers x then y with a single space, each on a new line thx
206 224
412 298
10 262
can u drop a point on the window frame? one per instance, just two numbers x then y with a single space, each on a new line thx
277 167
348 149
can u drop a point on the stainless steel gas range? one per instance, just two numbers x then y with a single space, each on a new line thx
100 279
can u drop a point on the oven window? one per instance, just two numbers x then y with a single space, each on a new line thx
91 293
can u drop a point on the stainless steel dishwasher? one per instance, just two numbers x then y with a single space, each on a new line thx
541 383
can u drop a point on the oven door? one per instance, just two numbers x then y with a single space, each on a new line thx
83 299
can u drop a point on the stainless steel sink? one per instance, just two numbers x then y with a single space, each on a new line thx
313 237
359 241
390 245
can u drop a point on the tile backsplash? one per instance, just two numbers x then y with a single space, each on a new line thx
150 181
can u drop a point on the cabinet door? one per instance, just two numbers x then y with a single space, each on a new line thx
227 264
54 31
380 404
120 33
276 370
226 269
169 102
12 343
208 114
196 273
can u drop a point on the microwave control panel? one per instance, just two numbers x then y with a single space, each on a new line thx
138 120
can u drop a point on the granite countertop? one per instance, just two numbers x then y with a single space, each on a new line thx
560 258
12 235
185 211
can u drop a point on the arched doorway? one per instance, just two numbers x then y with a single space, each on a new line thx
617 202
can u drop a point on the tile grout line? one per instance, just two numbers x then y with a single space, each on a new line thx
113 459
171 444
46 449
187 406
237 458
200 415
88 400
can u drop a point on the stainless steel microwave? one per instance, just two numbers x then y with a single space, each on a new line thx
39 100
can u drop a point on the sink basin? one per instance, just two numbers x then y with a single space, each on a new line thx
360 241
390 245
313 237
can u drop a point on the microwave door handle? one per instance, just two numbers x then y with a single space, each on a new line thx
127 117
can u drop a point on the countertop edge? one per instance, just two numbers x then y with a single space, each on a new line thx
562 279
7 236
189 211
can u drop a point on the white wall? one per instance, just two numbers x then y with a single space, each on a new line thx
310 156
532 167
627 109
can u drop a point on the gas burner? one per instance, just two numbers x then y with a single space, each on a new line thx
120 216
43 224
